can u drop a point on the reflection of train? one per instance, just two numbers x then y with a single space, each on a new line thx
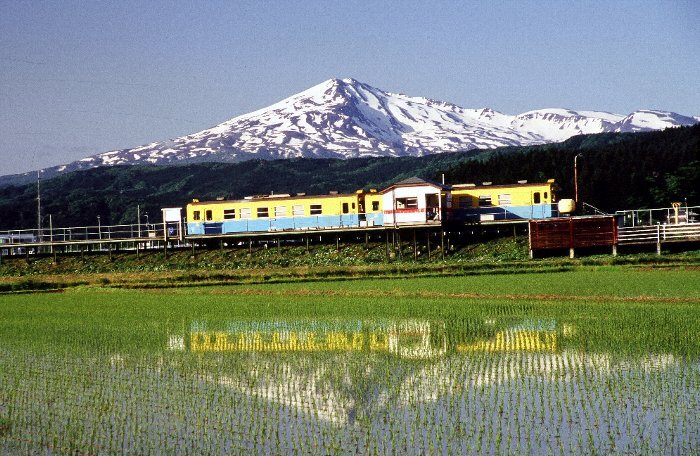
411 339
413 201
408 339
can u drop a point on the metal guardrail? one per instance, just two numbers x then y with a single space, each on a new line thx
659 216
589 208
81 233
658 233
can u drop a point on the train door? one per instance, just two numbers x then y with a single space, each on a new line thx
361 215
432 207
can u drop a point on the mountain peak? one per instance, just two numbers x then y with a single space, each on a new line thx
345 118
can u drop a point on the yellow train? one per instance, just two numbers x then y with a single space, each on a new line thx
469 202
412 201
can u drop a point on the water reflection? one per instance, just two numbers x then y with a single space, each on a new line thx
496 385
492 384
407 339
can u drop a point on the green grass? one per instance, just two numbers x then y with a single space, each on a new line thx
498 254
611 281
585 295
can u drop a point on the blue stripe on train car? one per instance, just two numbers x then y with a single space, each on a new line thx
290 223
376 219
213 228
525 212
195 228
536 211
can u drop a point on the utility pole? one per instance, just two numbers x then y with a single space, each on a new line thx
38 205
576 177
138 218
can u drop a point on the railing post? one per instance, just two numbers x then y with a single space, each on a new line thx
658 239
386 238
442 243
415 246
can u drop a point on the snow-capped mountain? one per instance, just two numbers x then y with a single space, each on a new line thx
345 118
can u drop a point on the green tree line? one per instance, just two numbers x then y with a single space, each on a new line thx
616 171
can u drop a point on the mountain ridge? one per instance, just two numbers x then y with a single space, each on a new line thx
344 118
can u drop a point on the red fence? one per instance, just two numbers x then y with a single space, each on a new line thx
573 232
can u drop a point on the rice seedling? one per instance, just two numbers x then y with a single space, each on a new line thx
355 367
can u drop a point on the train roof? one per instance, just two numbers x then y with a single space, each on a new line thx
481 187
415 182
410 182
271 198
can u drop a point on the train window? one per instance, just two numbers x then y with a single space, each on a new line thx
375 206
245 212
229 214
545 196
504 199
536 198
208 215
406 203
263 212
485 200
465 202
298 210
353 205
280 211
196 215
346 208
315 209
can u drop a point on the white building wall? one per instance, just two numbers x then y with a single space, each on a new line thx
407 217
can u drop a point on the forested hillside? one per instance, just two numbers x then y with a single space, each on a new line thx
617 171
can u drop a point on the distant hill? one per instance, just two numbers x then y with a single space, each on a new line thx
617 171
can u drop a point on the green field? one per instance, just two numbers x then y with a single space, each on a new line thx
600 359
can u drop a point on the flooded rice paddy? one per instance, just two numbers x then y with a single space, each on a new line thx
454 378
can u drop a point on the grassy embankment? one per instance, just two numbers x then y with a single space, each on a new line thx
294 263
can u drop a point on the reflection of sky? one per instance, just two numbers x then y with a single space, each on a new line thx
324 387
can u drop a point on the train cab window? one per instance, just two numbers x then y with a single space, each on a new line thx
208 215
298 210
536 198
280 211
545 196
375 206
245 213
504 199
263 212
353 205
229 214
346 208
196 215
485 200
315 209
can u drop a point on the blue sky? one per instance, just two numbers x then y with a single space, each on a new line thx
80 78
